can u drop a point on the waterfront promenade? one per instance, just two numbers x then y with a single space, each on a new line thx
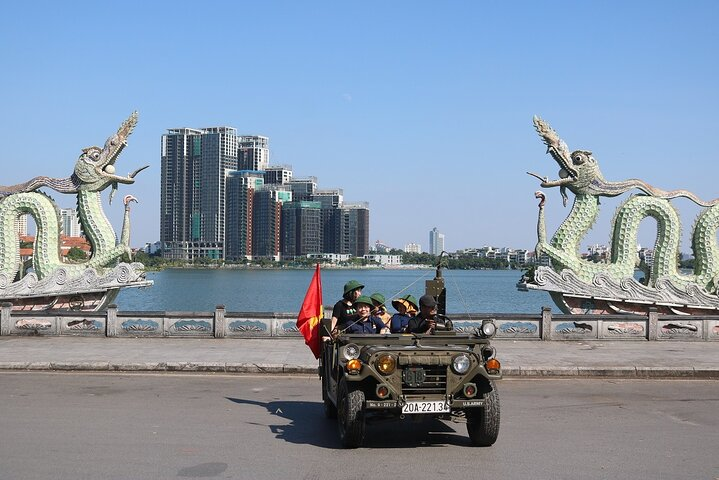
619 359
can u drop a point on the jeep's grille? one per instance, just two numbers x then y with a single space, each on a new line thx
434 381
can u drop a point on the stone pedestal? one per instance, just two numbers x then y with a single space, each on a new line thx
220 322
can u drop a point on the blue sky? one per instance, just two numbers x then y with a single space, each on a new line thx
424 109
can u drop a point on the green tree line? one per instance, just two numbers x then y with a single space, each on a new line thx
456 263
156 262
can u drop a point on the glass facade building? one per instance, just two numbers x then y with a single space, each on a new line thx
220 199
194 165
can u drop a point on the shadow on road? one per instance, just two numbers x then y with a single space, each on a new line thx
309 426
414 432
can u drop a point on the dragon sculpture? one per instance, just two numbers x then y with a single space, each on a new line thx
53 283
610 286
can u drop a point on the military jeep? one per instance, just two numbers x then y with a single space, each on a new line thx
446 375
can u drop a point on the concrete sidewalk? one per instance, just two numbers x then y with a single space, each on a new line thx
291 356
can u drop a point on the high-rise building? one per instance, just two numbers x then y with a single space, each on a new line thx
219 157
301 233
266 228
194 166
69 222
354 229
179 186
21 225
241 188
278 174
329 198
253 152
436 242
302 188
221 199
330 201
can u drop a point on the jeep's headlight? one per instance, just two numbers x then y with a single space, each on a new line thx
488 328
386 364
461 363
350 351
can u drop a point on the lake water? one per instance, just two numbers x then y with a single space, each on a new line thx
470 291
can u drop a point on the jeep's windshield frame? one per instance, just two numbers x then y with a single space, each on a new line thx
403 339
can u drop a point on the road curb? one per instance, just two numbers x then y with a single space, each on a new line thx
287 369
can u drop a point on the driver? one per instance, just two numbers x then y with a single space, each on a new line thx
426 320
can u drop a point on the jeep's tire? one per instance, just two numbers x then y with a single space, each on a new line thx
329 407
350 415
483 423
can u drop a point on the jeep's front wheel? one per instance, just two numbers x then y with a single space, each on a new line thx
483 423
350 415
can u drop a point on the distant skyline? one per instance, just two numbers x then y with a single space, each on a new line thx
422 109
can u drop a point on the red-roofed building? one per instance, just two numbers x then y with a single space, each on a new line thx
66 243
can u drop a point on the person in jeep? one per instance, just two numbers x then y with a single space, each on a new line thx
366 323
406 308
426 320
344 311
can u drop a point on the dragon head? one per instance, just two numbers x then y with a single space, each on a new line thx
578 170
95 169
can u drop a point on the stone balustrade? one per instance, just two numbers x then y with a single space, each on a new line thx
223 324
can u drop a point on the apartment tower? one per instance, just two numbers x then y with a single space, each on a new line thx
194 166
436 242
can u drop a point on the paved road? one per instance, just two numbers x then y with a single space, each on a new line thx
64 426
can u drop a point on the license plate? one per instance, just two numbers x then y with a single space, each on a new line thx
437 406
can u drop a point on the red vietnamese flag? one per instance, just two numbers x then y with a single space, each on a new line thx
308 321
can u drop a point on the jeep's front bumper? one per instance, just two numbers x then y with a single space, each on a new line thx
455 404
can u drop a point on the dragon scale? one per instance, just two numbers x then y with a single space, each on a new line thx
563 249
46 216
46 254
706 252
580 174
97 228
